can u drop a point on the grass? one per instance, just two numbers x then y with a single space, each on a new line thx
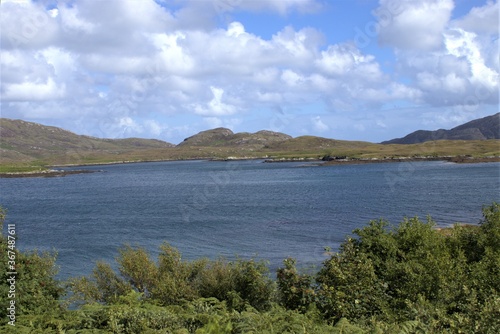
24 145
21 168
301 147
477 148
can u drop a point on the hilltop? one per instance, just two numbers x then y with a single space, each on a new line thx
25 146
226 137
479 129
22 141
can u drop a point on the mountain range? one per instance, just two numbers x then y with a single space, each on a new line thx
32 143
478 129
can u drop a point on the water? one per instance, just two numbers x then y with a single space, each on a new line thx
240 208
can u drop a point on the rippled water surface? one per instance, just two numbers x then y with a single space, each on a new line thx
244 208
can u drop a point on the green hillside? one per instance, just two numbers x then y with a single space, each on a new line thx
27 142
26 145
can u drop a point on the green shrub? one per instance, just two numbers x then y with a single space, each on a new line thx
104 286
349 287
410 278
445 280
172 281
296 291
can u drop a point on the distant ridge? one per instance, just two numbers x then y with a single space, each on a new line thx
479 129
222 137
24 141
30 145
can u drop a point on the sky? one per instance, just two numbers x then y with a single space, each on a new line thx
167 69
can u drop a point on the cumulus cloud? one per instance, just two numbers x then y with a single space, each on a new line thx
34 91
480 19
413 24
117 68
455 66
319 125
280 6
215 107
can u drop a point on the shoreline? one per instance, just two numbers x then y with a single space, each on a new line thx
333 162
46 173
353 161
454 159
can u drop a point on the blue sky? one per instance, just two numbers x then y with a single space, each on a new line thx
167 69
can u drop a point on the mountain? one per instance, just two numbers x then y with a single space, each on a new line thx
222 137
30 145
27 141
479 129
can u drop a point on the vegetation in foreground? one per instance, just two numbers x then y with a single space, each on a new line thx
409 278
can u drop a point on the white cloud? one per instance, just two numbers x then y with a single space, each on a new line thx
463 44
34 91
213 122
122 65
217 122
381 124
282 7
413 24
462 64
72 20
172 55
62 62
215 107
291 78
53 12
347 60
319 125
26 25
480 19
127 122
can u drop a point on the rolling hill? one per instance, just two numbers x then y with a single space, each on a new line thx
26 144
225 137
22 141
479 129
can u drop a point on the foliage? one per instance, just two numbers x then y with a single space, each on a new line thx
446 281
349 287
409 278
172 281
296 291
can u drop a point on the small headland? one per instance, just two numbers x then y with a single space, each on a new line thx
45 173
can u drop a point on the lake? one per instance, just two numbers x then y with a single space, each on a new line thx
239 208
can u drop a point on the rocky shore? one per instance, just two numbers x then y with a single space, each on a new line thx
456 159
333 160
45 173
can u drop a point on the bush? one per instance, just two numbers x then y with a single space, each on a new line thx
296 291
349 286
444 280
409 278
173 281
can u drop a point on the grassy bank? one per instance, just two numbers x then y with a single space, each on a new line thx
297 148
22 168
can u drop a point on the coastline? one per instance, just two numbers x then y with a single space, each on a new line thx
352 161
334 161
45 173
455 159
